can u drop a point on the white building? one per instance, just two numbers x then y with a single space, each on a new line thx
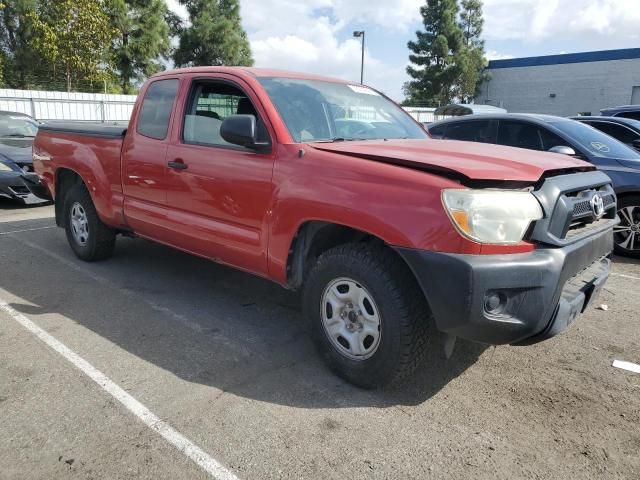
569 84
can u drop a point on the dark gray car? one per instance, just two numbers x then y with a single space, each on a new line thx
17 180
562 135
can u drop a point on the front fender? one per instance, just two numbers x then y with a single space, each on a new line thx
398 205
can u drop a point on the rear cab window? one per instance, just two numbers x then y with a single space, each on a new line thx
155 113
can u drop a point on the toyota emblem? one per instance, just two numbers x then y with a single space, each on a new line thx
597 206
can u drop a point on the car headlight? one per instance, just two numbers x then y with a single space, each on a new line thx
5 168
492 216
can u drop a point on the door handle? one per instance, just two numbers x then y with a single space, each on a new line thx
177 164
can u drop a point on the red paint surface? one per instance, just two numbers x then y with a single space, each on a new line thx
243 208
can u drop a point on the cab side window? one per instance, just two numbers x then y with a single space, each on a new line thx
157 105
210 103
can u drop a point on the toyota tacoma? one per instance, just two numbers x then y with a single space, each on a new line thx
330 188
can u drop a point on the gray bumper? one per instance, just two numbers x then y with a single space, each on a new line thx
512 299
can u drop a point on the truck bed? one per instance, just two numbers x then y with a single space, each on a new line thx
90 150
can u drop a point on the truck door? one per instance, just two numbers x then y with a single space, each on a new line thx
143 159
218 194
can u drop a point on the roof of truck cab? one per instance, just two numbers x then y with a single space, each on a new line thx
250 72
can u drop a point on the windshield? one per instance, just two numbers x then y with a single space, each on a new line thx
595 142
316 111
17 126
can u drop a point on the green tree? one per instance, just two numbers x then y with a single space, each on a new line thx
22 64
471 23
434 70
215 36
142 39
471 59
74 36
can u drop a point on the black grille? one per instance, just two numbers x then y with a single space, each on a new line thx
581 208
569 216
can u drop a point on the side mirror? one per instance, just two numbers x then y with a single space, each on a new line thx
239 130
563 150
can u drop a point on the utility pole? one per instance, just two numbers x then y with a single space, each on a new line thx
360 34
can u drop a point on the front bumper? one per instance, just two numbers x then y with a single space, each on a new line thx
23 187
512 299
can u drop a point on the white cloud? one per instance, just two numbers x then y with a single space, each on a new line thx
495 55
175 6
305 36
312 35
309 36
607 23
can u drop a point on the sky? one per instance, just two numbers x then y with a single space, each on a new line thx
317 35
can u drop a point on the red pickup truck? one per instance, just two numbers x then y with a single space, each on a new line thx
331 188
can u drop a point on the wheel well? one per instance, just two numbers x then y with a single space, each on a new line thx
65 179
313 239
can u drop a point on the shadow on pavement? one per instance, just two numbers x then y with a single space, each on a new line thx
626 260
205 323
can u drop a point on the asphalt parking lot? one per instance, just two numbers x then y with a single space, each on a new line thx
222 360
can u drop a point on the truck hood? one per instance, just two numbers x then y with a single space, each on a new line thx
475 161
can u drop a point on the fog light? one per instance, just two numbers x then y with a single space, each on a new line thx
495 302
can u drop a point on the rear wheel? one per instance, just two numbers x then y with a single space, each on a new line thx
627 234
368 316
89 238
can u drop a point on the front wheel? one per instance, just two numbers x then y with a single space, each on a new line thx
89 238
627 234
368 316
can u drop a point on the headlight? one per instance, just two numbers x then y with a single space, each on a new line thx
5 168
492 216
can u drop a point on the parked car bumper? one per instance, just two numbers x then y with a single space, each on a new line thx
512 299
23 187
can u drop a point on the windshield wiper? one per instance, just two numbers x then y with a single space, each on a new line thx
19 135
338 139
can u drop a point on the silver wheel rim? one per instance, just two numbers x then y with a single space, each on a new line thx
627 234
79 224
351 319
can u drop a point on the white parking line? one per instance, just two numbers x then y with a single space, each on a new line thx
631 367
191 450
27 230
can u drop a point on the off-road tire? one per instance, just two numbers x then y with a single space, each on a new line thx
405 315
101 239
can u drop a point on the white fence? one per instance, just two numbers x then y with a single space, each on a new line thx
422 114
89 107
99 107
